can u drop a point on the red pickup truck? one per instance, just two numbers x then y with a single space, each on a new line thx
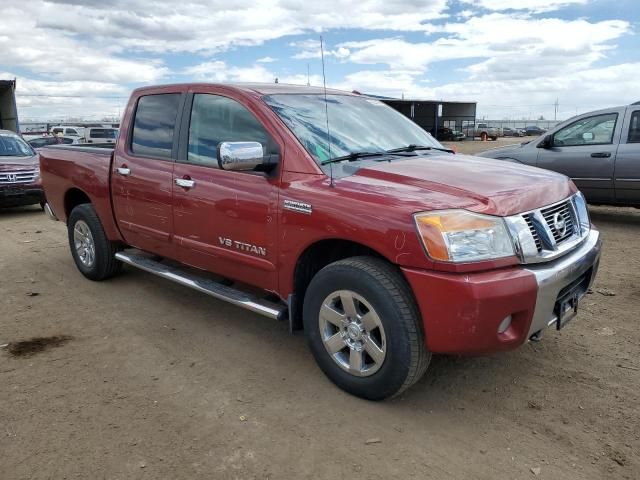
335 212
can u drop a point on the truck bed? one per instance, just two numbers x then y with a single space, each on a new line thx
71 169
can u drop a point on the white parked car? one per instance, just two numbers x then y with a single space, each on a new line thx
67 131
100 135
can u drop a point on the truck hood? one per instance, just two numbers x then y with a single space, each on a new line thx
459 181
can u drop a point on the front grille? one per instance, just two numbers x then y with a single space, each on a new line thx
528 217
549 232
12 178
562 214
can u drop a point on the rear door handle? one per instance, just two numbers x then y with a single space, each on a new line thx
185 182
124 171
601 154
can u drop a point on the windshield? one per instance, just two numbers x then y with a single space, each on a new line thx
14 146
356 124
102 133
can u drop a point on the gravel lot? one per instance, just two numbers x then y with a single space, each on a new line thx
156 381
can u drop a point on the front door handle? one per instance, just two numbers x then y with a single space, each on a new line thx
601 154
124 171
185 182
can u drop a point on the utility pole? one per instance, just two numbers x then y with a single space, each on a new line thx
555 112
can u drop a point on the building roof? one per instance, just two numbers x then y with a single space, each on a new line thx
420 100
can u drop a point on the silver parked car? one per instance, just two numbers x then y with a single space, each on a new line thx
599 150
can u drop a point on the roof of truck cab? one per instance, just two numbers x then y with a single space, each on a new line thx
263 88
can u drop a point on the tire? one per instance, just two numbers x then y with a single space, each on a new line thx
373 285
494 138
92 251
484 137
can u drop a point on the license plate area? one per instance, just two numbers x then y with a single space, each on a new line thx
566 309
12 192
566 306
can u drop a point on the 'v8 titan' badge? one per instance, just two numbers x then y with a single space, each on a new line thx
242 246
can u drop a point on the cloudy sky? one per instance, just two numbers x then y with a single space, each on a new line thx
514 57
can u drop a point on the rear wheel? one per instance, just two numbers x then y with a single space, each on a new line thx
92 251
484 137
364 329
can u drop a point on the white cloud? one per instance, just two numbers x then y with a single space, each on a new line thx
310 48
577 91
532 5
501 39
99 48
219 71
211 26
58 56
38 99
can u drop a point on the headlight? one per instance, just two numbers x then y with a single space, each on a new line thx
461 236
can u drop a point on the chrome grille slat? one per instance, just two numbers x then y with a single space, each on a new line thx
547 215
13 178
528 218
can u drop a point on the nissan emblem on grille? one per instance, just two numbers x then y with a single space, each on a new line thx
559 223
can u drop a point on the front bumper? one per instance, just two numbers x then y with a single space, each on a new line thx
462 313
20 194
552 279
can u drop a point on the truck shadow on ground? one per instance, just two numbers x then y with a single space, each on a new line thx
7 213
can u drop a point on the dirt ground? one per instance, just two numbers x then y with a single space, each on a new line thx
150 380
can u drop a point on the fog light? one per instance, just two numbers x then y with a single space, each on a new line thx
504 324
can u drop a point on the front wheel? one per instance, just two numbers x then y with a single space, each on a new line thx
92 251
364 329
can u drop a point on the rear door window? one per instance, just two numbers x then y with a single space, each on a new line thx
634 128
154 125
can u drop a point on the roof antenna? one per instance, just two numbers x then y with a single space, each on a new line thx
326 112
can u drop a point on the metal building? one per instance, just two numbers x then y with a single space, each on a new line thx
434 114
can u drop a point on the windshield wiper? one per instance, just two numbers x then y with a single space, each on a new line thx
353 156
412 148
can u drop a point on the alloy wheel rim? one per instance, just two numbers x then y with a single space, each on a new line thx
83 243
352 333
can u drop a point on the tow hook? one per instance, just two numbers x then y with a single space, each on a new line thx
536 337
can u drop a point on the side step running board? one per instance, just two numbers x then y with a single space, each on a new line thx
204 285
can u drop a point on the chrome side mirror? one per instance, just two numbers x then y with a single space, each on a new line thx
240 156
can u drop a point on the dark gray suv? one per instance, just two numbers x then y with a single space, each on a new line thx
599 150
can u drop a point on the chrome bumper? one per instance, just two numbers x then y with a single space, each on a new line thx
554 276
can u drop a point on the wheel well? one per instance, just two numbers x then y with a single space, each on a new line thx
73 198
314 259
